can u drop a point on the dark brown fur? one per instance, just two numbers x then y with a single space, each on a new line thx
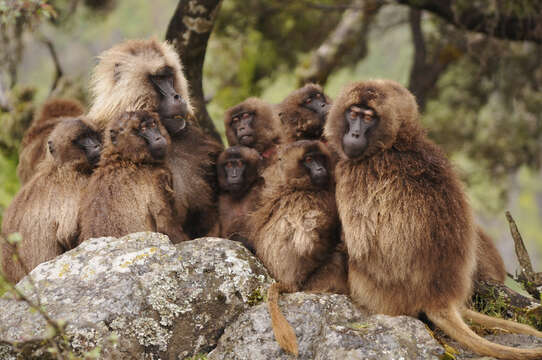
407 225
265 126
44 211
489 263
120 83
233 208
295 119
33 144
130 191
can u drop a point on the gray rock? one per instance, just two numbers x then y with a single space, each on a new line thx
327 327
138 296
515 340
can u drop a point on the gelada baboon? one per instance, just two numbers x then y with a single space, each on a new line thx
303 114
253 123
44 211
147 75
295 227
240 182
489 263
33 148
130 190
407 226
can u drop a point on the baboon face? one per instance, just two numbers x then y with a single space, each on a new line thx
304 112
305 164
251 123
140 75
360 120
242 126
237 169
368 116
75 141
138 135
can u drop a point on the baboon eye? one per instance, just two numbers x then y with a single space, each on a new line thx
153 124
353 113
143 128
246 115
308 100
367 117
318 95
239 163
235 119
309 159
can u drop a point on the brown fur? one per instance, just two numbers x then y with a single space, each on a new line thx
33 144
130 191
265 124
44 211
489 263
407 225
121 83
233 208
295 118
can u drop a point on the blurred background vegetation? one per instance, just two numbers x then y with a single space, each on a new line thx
475 67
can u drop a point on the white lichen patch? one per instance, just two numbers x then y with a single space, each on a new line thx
162 298
96 265
84 339
59 269
96 244
123 262
149 333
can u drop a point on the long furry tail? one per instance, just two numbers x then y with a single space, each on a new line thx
451 323
509 325
284 333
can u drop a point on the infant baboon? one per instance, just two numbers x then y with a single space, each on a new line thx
253 123
33 148
303 114
295 228
130 190
238 171
147 75
44 211
407 226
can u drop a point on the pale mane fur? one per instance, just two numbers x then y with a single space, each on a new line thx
119 68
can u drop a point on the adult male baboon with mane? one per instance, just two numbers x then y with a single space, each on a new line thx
240 182
295 229
44 211
253 123
407 226
147 75
33 148
303 114
130 190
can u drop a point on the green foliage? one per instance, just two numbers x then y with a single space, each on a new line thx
29 11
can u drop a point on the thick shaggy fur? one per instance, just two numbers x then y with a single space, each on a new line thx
234 207
33 144
265 124
44 211
489 263
120 81
407 225
129 191
296 119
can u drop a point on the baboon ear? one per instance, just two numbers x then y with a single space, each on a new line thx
281 117
113 136
50 146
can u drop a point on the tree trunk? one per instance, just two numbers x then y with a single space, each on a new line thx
189 31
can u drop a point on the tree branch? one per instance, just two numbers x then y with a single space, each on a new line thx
56 62
351 32
189 31
496 23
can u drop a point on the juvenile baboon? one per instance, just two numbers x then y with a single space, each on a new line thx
44 211
147 75
303 114
240 182
130 190
295 227
407 226
253 123
489 263
33 144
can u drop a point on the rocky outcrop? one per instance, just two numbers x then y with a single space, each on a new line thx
139 296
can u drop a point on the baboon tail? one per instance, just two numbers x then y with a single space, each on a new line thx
451 323
508 325
284 333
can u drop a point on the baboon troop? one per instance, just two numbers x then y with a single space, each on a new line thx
346 196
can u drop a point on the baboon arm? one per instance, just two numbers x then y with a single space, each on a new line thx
163 218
